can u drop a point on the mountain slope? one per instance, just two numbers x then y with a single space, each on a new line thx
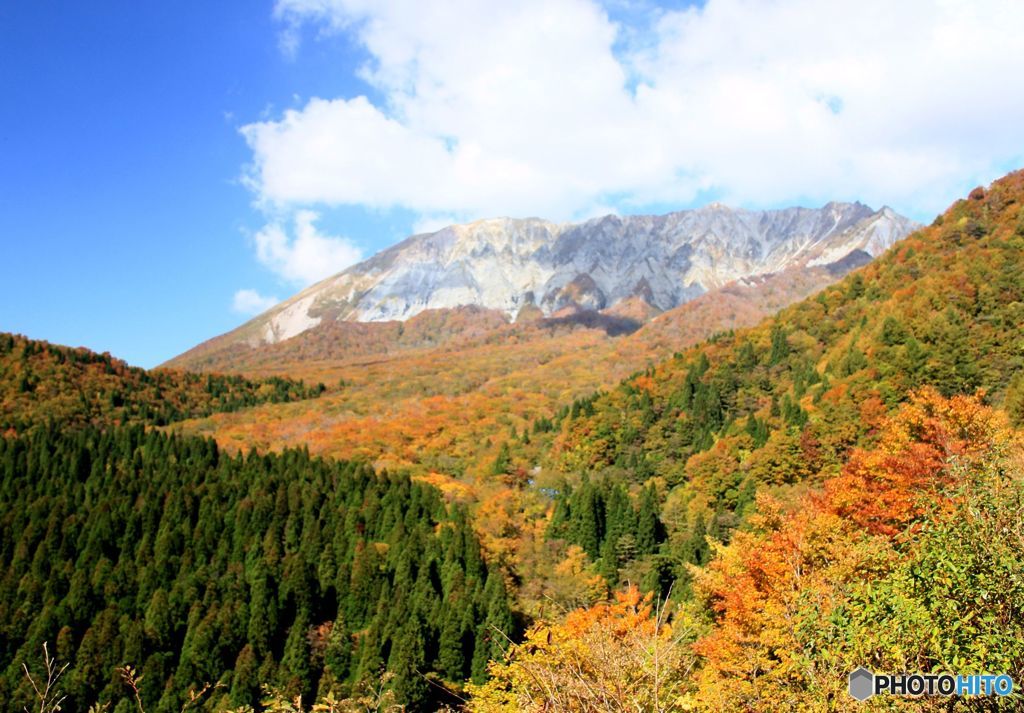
510 265
448 407
789 398
342 342
826 481
46 383
132 546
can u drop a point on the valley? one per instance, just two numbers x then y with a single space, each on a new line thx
553 356
441 391
567 476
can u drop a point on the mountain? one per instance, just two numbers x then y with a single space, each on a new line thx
430 393
427 392
841 470
520 266
786 403
804 492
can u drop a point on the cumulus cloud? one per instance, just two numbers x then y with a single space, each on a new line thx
306 255
548 107
251 302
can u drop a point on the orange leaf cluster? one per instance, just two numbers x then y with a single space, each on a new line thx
884 489
762 650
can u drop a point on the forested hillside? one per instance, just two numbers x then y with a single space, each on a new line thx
840 486
909 560
134 547
42 382
784 403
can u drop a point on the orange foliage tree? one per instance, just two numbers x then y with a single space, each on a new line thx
884 489
777 593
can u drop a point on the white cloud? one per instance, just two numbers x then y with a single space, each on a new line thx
251 302
307 257
531 108
433 223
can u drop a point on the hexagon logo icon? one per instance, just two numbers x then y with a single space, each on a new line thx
862 684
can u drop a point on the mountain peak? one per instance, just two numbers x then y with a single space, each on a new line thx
506 264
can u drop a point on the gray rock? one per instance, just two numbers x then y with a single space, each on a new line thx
504 263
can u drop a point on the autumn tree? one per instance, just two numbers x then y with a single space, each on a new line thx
790 594
628 654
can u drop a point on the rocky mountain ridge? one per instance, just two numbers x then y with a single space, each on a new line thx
512 265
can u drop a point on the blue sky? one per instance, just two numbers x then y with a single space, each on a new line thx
167 167
122 218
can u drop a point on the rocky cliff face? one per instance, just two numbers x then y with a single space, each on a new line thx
507 264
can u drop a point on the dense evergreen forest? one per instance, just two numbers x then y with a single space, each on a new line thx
132 546
42 382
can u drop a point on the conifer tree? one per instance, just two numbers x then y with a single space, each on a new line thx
406 662
697 549
648 527
780 347
451 652
245 682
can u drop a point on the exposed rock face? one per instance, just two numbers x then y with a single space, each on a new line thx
507 264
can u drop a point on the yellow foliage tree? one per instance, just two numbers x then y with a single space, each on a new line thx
624 655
